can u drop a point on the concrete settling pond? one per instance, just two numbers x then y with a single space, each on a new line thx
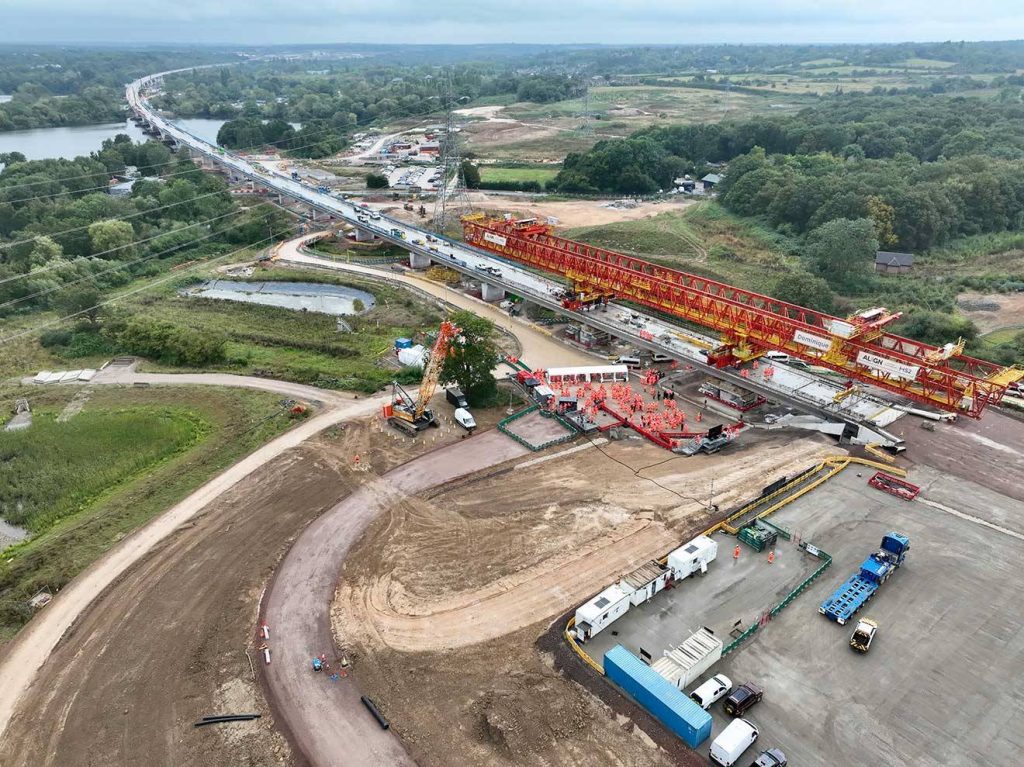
300 296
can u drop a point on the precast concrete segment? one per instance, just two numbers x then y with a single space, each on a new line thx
327 721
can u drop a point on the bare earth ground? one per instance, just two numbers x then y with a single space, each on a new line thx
574 213
441 598
1010 313
167 643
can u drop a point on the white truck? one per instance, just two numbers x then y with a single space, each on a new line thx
464 419
693 556
684 663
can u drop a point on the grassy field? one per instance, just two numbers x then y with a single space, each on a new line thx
490 173
129 455
261 340
302 346
704 239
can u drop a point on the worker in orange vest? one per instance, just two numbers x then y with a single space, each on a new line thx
771 556
736 552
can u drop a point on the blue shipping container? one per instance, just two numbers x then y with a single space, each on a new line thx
403 343
655 693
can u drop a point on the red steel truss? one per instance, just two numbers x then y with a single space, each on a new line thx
751 322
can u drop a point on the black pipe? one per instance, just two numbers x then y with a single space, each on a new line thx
225 719
381 720
223 716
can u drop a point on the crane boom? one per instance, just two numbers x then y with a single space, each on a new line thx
432 372
751 323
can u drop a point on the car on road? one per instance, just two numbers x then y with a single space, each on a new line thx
863 635
742 699
716 688
770 757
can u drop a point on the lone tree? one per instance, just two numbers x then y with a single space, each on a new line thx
842 251
376 181
472 358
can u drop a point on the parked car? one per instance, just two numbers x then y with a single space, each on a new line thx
731 742
716 688
863 635
770 757
742 699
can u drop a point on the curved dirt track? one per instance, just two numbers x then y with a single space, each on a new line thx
297 607
32 646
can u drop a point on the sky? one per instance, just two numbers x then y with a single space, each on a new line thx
616 22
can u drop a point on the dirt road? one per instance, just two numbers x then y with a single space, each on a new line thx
297 607
30 649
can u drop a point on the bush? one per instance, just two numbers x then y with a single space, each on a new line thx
376 181
171 345
51 338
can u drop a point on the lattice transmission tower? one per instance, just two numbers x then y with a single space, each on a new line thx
452 200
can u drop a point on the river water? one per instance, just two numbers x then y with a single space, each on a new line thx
301 296
68 143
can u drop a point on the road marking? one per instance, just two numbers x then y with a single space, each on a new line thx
974 519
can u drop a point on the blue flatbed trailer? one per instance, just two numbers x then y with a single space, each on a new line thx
860 587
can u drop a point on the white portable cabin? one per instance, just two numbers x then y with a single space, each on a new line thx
693 556
600 612
643 583
683 664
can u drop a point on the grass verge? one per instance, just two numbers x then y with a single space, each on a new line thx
215 429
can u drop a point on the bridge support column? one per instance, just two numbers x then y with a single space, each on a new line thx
312 214
363 235
418 260
491 292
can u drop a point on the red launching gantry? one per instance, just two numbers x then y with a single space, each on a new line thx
752 323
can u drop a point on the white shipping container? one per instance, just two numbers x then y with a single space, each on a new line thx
600 612
693 556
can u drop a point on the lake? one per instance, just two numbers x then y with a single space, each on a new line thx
67 143
301 296
11 534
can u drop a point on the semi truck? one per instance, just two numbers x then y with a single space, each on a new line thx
876 570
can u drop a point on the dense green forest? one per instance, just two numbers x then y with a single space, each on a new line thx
55 86
942 167
64 240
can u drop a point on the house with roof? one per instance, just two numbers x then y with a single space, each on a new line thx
887 262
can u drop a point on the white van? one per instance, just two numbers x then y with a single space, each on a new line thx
716 688
659 357
732 742
630 362
776 356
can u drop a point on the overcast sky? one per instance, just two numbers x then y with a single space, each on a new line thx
263 22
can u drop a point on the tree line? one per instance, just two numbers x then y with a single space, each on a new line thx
69 241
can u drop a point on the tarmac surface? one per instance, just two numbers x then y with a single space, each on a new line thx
941 683
733 591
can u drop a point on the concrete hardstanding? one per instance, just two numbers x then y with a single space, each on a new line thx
667 704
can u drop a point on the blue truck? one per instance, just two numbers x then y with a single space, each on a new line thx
875 571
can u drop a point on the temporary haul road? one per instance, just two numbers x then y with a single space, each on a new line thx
801 390
33 644
302 699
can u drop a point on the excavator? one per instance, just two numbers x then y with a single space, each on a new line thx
412 415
